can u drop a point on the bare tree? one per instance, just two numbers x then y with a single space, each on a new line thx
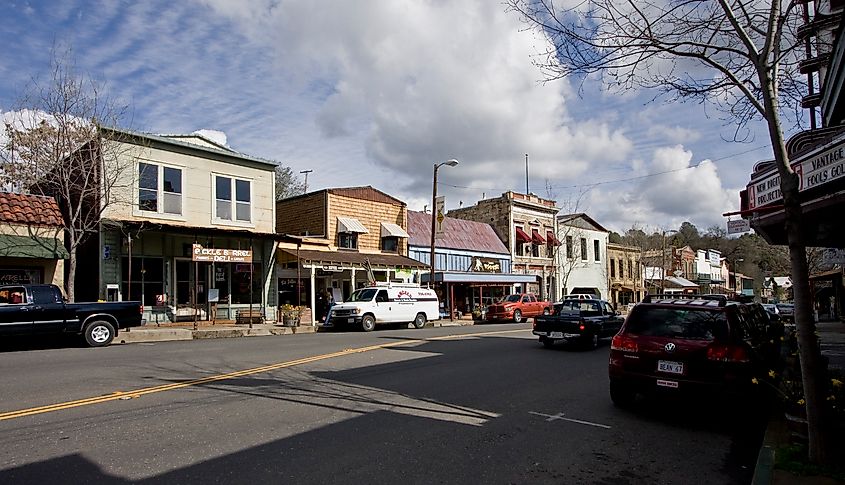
741 56
288 183
55 147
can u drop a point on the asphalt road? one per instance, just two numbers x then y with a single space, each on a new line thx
416 406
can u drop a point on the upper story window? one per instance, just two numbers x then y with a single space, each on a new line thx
613 268
621 269
347 240
159 188
390 235
232 199
583 249
569 248
390 243
596 250
630 268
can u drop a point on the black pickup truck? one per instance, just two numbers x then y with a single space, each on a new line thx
584 321
31 309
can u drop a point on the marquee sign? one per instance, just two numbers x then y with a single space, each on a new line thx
213 255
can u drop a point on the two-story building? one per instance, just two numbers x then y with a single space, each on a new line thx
472 265
32 246
346 238
625 275
582 264
190 233
526 224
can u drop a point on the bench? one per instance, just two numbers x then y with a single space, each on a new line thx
249 316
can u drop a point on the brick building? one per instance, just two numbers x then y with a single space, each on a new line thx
340 232
625 275
527 226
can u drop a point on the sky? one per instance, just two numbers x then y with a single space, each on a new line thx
370 92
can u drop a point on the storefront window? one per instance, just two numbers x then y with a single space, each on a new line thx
242 292
147 279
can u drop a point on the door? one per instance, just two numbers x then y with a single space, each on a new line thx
15 314
48 309
384 310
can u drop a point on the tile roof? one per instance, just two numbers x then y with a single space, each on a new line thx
29 209
460 234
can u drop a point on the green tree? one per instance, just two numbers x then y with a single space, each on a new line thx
288 183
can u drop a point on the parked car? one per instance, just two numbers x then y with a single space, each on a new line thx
689 346
771 308
518 306
385 303
584 321
34 309
786 310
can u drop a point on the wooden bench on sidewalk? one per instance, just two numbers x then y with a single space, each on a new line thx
249 316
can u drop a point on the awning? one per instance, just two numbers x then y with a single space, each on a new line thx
350 224
536 238
550 237
32 247
353 259
479 278
521 236
392 230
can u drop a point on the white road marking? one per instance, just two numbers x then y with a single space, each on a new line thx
560 416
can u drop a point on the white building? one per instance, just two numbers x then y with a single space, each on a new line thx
581 262
708 265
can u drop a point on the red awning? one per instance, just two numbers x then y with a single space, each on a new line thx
522 237
550 236
536 238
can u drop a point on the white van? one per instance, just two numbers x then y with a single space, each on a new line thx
385 303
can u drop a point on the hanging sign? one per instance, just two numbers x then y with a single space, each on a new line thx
739 226
211 255
439 216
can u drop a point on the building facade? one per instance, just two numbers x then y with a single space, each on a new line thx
32 246
191 232
582 264
625 275
339 240
526 224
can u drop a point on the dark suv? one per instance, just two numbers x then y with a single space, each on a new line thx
689 346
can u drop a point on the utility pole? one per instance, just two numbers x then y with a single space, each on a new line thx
526 174
306 172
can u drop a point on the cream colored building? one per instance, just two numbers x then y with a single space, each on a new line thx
168 193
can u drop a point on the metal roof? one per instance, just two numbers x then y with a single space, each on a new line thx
459 234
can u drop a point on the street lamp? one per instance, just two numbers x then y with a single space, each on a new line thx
450 163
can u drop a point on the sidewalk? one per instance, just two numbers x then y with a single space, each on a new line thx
832 337
185 331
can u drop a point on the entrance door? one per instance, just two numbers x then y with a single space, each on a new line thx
186 279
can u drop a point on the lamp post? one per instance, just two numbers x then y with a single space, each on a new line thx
450 163
736 261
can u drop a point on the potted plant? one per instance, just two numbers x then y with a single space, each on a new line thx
291 315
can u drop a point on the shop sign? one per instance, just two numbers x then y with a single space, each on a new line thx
19 277
331 268
485 265
739 226
213 255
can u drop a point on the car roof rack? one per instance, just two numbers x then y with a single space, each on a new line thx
687 299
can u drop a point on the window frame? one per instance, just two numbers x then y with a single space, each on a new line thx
597 250
160 191
570 247
584 255
352 236
233 200
394 239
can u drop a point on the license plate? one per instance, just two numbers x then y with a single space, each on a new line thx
556 335
672 384
670 367
350 320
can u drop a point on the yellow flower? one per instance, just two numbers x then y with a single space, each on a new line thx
772 374
754 380
836 383
801 402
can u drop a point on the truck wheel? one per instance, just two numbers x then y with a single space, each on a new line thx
99 333
517 316
368 323
419 321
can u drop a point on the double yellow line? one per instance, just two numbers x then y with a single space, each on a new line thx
120 395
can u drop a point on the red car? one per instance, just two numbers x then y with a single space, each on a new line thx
518 306
686 346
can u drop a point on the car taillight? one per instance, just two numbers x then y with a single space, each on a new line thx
623 343
581 327
727 353
141 309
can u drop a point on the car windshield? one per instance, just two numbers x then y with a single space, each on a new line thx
512 298
683 323
366 294
587 308
785 306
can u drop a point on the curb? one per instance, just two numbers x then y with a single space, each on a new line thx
142 335
764 470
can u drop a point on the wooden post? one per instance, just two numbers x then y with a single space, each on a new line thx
451 301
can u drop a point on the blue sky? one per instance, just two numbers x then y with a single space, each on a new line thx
373 93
